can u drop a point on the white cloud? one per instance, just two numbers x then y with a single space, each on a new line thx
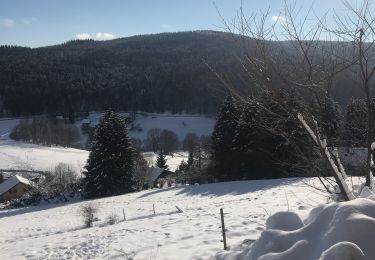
7 23
29 21
278 18
100 36
83 36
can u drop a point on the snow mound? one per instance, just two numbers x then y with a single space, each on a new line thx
284 220
333 231
366 193
343 251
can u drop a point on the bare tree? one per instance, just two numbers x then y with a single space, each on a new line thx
153 139
64 175
141 166
358 28
168 141
298 57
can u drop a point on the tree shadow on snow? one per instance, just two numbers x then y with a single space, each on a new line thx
30 209
225 188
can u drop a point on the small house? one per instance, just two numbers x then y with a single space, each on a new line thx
14 187
157 176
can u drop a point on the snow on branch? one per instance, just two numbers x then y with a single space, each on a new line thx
336 167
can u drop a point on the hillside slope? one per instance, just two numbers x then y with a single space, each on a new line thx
176 72
56 232
157 73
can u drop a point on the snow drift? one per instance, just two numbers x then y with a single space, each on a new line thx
334 231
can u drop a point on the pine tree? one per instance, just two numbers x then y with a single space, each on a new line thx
330 119
356 122
183 166
245 143
161 162
269 140
190 160
109 168
222 137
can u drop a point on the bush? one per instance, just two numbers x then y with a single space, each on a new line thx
88 212
112 219
46 131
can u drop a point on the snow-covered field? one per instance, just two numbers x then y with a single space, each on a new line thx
18 155
181 124
56 231
334 231
172 161
22 156
304 226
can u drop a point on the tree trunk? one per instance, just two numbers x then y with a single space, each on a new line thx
369 136
324 152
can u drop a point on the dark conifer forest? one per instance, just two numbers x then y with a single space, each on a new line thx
157 73
176 72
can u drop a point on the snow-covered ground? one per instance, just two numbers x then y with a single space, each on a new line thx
22 156
56 232
18 155
172 161
181 124
335 231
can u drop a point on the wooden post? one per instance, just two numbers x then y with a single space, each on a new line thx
91 219
123 212
223 228
153 206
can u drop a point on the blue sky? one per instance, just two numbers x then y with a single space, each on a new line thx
45 22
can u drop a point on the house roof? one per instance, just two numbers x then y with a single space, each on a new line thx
154 173
11 182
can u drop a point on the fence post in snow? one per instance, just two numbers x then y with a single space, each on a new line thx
223 228
123 212
179 209
153 206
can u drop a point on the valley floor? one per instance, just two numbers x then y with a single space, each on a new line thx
56 231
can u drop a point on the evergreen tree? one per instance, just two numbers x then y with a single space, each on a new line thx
190 160
356 122
183 166
109 168
330 119
244 143
222 137
269 141
161 162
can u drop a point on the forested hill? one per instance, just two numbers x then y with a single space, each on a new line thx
157 73
154 73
